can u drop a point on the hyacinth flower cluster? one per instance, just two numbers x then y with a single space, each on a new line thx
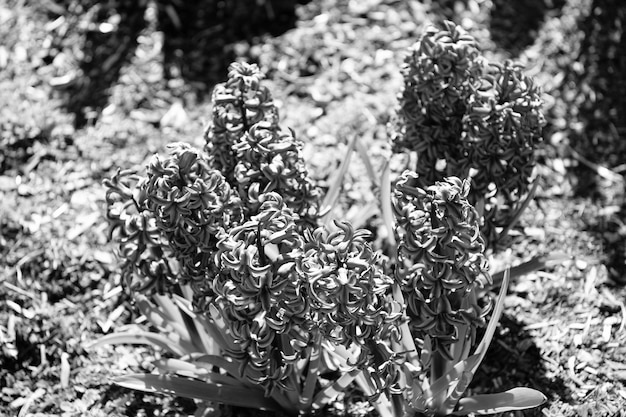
169 221
440 275
469 118
441 262
262 307
234 231
440 73
261 297
250 148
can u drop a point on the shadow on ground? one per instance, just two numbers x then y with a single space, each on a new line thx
514 24
513 359
200 39
599 78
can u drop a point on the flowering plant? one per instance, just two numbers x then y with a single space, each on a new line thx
440 274
466 117
261 306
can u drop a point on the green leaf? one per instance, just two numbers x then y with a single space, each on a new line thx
140 338
214 360
385 204
203 372
195 324
536 263
520 210
519 398
457 380
369 167
218 328
166 317
189 388
329 393
333 191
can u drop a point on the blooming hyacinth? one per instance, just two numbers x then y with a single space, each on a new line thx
347 285
259 293
238 104
253 152
144 251
440 73
193 206
270 160
441 260
349 292
502 128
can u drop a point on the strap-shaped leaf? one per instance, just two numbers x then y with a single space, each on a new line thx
203 372
331 392
459 377
519 398
536 263
520 209
189 388
310 381
140 338
214 360
385 204
369 167
195 325
167 319
333 191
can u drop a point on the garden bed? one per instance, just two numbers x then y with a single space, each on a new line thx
86 89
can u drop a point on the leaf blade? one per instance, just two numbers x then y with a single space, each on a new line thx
515 399
140 338
189 388
333 191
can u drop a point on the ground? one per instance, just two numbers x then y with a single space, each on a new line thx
87 88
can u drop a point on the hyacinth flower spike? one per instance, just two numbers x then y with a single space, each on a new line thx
441 270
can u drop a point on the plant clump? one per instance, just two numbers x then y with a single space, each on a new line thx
262 306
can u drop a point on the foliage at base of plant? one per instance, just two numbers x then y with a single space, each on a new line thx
259 305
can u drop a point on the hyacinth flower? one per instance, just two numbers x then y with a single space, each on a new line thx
502 128
272 307
193 206
441 268
350 298
440 73
259 296
255 154
143 250
466 117
270 160
238 104
440 261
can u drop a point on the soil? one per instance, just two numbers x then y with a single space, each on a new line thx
88 87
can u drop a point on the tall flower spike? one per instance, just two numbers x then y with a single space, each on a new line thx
259 291
145 254
238 104
270 160
253 152
502 128
441 260
466 117
346 283
193 206
440 72
350 299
